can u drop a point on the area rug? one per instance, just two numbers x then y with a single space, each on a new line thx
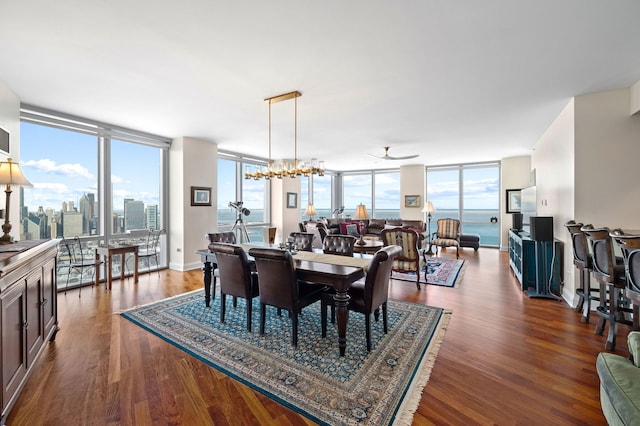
381 387
440 271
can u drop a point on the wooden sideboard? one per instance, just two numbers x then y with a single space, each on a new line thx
28 311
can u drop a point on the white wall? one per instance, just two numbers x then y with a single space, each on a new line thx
514 174
635 99
412 182
10 121
284 219
553 158
192 162
607 153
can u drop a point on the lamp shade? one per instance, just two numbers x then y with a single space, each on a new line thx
10 174
428 207
361 212
311 211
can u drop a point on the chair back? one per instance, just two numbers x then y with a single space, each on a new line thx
276 277
376 287
221 237
630 246
339 244
234 268
74 252
605 266
153 241
322 230
581 256
448 229
302 240
407 239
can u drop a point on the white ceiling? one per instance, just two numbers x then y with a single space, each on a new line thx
454 81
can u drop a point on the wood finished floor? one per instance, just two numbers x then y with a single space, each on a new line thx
506 360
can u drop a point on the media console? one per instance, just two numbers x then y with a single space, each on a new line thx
536 264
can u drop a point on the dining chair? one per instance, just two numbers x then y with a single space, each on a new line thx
608 270
447 235
150 249
76 258
236 277
228 237
302 241
339 244
369 295
630 247
584 264
409 259
279 287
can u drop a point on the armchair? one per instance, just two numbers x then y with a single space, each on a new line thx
447 235
409 259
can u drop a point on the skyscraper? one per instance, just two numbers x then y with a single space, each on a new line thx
133 214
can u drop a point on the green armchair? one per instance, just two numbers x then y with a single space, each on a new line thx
620 384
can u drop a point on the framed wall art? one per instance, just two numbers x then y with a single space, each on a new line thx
412 201
513 201
292 200
200 196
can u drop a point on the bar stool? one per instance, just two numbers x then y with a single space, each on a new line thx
630 247
584 264
608 270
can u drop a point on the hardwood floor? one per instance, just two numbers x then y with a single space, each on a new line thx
506 359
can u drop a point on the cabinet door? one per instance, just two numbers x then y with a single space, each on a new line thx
49 297
34 324
14 360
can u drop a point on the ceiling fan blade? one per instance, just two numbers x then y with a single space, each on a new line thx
406 157
377 156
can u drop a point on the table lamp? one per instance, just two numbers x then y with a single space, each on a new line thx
428 209
361 215
311 211
10 174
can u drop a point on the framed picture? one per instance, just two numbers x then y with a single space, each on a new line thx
412 201
513 201
200 196
292 200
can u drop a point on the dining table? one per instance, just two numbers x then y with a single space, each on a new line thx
332 270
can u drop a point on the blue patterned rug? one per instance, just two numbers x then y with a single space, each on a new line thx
441 271
377 388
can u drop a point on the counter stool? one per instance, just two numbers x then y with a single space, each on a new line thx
630 246
608 270
582 261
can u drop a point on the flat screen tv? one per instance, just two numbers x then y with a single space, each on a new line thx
528 205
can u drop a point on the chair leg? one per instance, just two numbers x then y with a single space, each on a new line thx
235 302
610 344
249 313
367 325
223 306
602 309
263 313
384 318
294 328
418 275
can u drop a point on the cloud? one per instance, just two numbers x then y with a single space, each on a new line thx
50 166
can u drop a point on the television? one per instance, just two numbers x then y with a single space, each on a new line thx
528 206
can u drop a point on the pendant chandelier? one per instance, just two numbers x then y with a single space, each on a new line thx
285 168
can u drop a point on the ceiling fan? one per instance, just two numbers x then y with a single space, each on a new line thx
389 157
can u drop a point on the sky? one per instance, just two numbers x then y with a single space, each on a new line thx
63 165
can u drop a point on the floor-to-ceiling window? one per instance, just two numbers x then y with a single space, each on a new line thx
386 195
242 203
470 193
357 189
76 164
322 195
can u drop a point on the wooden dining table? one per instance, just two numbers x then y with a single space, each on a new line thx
336 271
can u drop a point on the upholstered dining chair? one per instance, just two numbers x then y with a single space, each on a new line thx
279 287
630 247
370 294
339 244
447 235
584 264
219 237
303 240
236 277
409 259
608 270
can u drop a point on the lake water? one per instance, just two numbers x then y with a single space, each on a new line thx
475 222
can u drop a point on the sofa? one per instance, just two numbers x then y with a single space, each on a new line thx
372 227
620 384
